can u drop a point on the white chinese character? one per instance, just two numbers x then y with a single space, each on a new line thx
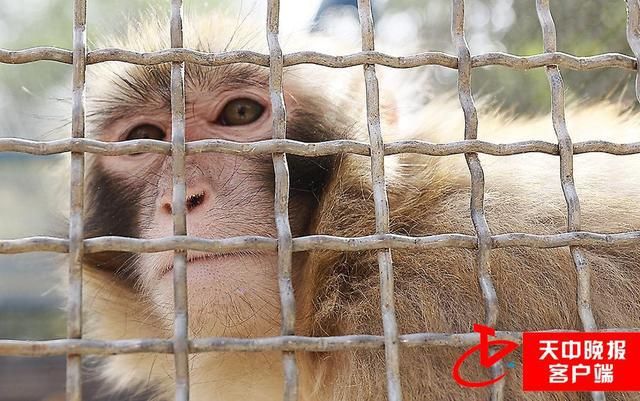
616 349
558 373
579 370
593 349
603 373
571 349
549 348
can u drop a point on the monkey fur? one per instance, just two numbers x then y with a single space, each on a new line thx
436 290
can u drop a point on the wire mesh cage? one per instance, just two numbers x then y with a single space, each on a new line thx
383 241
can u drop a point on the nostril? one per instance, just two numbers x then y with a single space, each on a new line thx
191 202
167 208
194 200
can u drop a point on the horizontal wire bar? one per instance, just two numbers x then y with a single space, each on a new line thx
564 60
27 348
34 244
321 242
293 147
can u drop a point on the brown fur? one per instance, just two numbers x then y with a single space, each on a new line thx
435 290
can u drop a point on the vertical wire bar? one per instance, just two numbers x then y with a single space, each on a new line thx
76 222
281 199
181 318
633 36
385 263
477 183
565 148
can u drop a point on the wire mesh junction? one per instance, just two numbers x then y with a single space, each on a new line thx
382 241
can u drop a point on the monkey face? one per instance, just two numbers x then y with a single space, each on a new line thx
227 195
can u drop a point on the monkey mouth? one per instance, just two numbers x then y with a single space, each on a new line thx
202 257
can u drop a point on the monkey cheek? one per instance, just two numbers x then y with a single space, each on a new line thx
230 296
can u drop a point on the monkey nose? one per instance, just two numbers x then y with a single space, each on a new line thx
193 201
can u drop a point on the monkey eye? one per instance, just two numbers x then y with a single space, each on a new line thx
240 111
146 131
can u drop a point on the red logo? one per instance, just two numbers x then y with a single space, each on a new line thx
486 359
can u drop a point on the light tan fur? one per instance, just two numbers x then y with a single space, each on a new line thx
435 290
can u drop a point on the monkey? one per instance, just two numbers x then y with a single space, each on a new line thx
337 293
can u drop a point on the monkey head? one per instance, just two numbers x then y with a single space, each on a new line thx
228 195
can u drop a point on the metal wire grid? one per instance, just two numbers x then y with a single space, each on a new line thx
74 346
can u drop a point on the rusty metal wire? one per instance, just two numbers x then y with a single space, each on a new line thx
229 344
564 60
178 208
321 242
565 147
281 201
76 201
308 149
288 343
222 344
381 206
477 184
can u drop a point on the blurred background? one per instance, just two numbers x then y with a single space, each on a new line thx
35 104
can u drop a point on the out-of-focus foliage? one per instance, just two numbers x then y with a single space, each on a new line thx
583 28
34 97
